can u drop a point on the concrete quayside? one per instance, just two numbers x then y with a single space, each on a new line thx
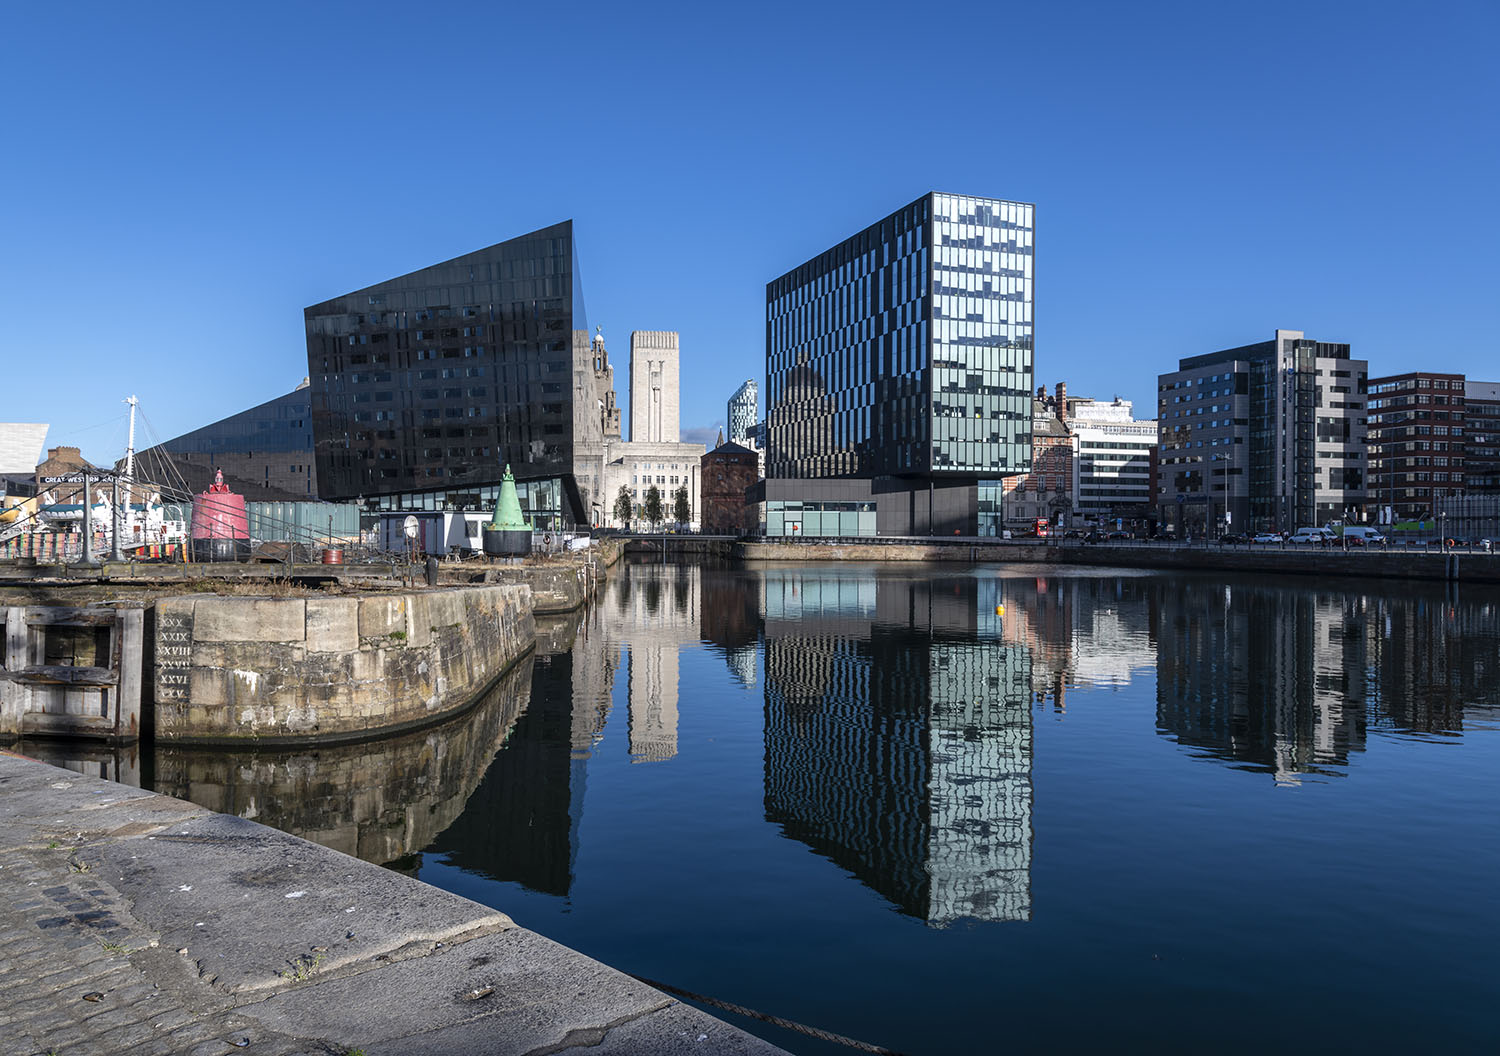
138 922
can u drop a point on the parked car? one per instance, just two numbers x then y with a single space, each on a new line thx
1318 536
1072 533
1267 537
1118 535
1231 539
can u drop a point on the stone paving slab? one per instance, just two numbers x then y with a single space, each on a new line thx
133 922
209 884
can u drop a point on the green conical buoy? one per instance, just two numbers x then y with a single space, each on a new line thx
509 533
508 516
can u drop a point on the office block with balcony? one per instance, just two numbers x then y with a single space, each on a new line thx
1269 436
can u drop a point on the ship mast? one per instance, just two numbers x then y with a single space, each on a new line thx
130 442
130 452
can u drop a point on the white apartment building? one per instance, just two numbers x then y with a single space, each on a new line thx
1111 459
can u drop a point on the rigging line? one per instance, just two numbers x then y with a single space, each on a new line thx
741 1010
164 460
98 425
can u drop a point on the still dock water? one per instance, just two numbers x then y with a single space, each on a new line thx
993 810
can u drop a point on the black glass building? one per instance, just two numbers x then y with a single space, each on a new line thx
424 387
265 453
905 352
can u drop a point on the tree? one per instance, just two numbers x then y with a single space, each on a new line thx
654 510
622 508
681 511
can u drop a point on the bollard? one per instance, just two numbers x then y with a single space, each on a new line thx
432 571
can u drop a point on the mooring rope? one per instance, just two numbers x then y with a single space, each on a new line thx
741 1010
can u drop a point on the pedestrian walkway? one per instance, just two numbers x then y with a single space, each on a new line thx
133 922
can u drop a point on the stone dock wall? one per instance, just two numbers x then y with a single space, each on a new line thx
235 669
1312 561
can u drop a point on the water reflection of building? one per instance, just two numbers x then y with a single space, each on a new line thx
659 609
1434 660
1081 631
1270 678
731 620
898 738
522 821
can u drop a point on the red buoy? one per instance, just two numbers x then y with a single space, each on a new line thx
221 527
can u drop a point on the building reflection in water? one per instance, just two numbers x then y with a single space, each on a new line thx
1082 632
897 706
898 737
1273 680
380 800
522 821
1289 680
657 616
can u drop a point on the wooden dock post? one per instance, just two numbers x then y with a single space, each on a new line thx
132 629
14 696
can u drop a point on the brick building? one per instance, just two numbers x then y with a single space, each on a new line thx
1046 493
1416 442
728 472
60 462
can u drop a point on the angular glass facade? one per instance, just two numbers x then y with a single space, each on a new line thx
981 335
744 407
265 453
906 350
426 386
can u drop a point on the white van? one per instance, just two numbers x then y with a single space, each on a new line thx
1357 536
1321 536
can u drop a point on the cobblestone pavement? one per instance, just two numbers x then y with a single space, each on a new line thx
73 972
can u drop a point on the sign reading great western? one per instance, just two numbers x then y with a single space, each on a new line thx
95 476
174 650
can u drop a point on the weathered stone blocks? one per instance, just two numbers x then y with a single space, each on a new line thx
307 668
249 620
383 615
332 625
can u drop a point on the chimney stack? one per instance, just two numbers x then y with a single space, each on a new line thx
1062 401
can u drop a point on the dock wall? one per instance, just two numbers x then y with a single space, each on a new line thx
1466 567
232 669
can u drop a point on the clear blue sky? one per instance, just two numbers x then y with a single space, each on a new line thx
179 181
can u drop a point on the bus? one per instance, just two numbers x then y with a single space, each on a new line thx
1042 528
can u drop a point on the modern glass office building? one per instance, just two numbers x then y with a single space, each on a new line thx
265 453
743 409
904 353
425 387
